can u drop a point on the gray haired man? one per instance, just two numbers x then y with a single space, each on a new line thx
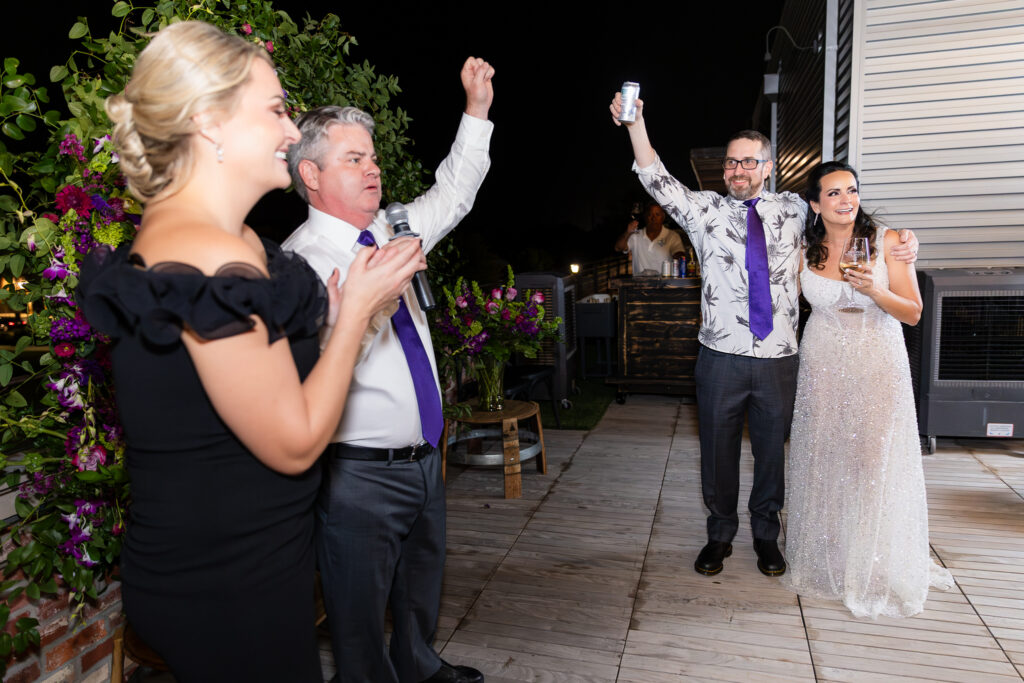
381 511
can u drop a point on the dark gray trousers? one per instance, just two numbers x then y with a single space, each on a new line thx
381 540
731 390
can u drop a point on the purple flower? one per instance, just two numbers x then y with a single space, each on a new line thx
68 391
90 457
70 329
70 146
506 314
56 270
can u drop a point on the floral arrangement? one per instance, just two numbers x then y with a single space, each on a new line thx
61 195
72 490
488 328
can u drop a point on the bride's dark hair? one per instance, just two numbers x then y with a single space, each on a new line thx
864 224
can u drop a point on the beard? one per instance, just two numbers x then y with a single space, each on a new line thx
752 189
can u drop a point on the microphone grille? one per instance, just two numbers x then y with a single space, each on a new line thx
396 213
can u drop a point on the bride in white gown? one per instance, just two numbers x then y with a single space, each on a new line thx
857 523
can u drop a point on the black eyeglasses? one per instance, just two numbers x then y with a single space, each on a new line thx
748 163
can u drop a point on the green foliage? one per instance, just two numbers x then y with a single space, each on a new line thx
61 194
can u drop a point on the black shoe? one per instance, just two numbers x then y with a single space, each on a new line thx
769 558
455 674
709 562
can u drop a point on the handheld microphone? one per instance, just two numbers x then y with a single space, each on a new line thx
398 217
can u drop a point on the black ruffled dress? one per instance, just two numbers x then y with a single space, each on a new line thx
218 560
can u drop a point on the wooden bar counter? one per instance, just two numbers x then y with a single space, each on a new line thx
659 318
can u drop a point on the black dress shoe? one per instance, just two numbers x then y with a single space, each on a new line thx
455 674
769 557
709 562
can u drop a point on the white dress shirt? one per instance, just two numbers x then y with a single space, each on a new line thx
381 409
717 228
649 254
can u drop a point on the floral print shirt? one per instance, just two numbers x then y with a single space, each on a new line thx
717 228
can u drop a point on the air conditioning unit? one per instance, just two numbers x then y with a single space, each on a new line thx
967 353
559 302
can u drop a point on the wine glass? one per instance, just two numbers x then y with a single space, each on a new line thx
854 256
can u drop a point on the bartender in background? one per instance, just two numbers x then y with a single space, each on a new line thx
651 245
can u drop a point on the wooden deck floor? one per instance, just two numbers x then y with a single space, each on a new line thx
589 576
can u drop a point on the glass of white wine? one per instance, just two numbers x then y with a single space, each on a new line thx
855 256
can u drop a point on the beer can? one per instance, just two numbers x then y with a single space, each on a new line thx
630 91
666 268
682 266
675 267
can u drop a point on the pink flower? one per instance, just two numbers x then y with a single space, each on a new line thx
90 458
117 529
64 349
491 307
461 301
511 293
246 29
496 293
74 197
537 298
269 46
32 244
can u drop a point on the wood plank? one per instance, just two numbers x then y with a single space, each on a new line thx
589 576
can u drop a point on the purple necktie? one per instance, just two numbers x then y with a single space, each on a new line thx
427 396
760 299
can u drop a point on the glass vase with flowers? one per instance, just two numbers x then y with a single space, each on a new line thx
486 329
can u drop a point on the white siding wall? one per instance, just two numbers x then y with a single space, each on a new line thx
937 124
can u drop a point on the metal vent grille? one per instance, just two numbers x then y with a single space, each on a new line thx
546 355
982 338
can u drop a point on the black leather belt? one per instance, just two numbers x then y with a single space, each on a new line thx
408 454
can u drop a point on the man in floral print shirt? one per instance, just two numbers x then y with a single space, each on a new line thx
740 376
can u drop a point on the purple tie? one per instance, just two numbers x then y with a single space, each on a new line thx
427 396
760 299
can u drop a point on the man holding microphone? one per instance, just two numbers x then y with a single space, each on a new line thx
381 512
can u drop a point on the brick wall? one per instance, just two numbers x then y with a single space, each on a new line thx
67 654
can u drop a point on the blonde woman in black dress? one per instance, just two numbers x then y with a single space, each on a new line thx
225 406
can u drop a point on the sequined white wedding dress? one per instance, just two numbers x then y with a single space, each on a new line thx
857 518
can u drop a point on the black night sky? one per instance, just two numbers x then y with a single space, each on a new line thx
560 184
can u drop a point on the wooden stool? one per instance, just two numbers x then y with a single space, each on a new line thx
511 455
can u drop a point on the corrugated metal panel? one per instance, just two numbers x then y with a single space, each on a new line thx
937 124
801 83
844 61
